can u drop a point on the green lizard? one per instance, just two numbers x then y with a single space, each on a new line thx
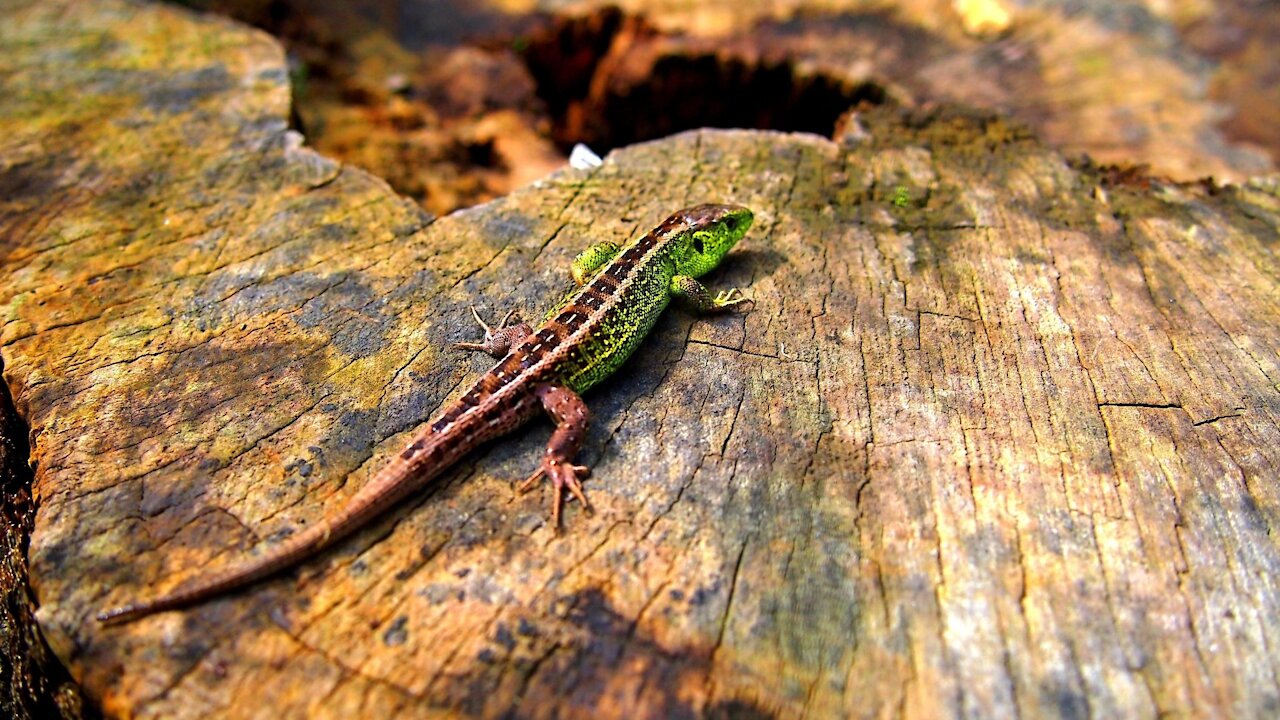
622 291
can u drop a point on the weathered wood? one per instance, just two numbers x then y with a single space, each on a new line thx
999 437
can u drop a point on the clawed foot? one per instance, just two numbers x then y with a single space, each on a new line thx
730 298
563 475
497 341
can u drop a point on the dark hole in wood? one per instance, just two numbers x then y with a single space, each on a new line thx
680 92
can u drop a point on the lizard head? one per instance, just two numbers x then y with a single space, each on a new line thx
713 230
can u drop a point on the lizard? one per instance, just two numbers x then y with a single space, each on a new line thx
620 293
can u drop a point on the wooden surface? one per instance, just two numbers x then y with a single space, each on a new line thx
999 437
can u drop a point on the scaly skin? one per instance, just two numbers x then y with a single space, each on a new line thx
583 340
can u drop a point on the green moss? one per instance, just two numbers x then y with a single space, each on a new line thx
1094 64
901 196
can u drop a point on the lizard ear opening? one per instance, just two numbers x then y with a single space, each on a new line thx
697 243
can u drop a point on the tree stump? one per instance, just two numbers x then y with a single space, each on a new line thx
998 438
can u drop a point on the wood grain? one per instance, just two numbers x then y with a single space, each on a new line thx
999 437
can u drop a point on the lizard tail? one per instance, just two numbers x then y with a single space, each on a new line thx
310 541
398 479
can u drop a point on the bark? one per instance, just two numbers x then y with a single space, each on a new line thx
32 682
999 436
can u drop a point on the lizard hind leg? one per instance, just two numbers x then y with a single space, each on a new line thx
571 418
497 342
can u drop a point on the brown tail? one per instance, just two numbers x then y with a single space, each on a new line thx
296 548
397 479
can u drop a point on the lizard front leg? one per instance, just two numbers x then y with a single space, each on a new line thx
500 341
571 416
592 259
584 267
687 287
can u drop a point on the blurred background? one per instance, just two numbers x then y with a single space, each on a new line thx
455 102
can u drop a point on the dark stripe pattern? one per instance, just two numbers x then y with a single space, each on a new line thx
589 300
